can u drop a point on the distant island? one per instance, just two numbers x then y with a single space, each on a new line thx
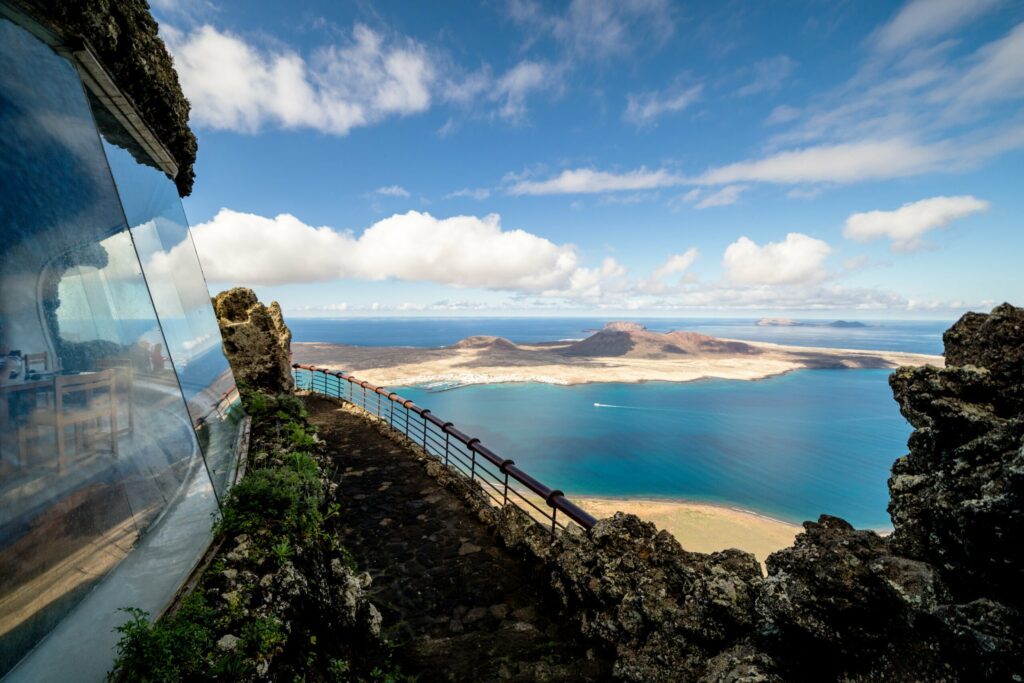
788 322
620 352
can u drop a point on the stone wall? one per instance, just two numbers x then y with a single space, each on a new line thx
257 342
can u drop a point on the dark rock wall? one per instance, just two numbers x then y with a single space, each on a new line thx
124 36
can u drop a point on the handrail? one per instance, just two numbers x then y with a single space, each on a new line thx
447 443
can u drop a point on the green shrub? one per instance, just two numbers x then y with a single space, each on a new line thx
173 649
283 501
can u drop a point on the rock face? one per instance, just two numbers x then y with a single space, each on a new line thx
124 37
940 599
256 340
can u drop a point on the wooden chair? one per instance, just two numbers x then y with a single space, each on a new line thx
42 358
124 383
82 402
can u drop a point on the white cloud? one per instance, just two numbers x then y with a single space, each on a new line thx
512 89
234 85
782 114
905 226
392 191
458 251
481 90
677 263
996 74
479 193
921 20
599 29
768 75
730 194
644 109
841 163
799 259
589 181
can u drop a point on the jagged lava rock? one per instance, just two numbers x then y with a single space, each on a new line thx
256 340
957 499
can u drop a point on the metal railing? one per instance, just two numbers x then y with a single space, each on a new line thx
499 477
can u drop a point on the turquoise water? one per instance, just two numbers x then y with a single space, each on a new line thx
791 447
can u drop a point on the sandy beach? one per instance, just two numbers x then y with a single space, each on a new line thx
702 527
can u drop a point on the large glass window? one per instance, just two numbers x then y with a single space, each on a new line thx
182 300
98 454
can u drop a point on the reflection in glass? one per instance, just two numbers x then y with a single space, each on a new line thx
182 301
96 444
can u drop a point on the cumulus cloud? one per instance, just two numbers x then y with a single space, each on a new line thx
234 85
799 259
644 109
458 251
392 191
921 20
730 194
905 226
590 181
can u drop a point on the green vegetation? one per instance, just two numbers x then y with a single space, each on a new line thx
267 606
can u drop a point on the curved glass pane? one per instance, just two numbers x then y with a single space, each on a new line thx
97 449
182 302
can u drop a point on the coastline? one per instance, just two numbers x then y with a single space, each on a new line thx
451 367
700 526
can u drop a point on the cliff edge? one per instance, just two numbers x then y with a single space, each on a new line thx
939 599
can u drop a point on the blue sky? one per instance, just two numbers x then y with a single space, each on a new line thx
812 159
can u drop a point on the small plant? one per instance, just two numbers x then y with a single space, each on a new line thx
283 551
173 649
262 636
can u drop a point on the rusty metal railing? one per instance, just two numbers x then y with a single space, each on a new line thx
500 479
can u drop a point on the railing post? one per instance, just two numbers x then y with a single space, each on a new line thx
424 431
447 437
391 412
407 422
554 514
504 501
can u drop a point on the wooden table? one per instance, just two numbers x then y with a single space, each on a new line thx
7 391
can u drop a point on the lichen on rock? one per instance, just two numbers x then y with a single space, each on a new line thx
257 342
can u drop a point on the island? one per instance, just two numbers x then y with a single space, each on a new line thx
788 322
620 352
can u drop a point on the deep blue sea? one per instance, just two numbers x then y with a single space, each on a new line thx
791 447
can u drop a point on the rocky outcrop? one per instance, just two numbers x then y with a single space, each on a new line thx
257 342
938 600
124 36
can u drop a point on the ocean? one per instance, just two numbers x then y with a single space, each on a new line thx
790 447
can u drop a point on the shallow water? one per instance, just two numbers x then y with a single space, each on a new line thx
791 447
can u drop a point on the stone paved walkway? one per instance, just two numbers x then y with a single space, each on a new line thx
455 603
